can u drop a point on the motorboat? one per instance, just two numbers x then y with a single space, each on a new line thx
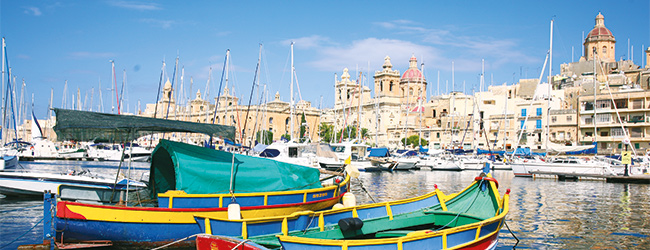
357 153
569 165
440 160
114 152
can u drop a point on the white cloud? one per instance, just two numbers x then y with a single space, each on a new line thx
372 50
165 24
134 5
465 50
33 11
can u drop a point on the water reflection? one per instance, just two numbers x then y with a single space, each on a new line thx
544 213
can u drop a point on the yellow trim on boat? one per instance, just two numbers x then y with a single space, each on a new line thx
244 230
389 212
442 203
285 227
208 227
444 240
320 214
177 193
321 222
500 218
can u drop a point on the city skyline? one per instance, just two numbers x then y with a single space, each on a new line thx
51 42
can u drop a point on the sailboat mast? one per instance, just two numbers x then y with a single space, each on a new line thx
550 85
420 108
49 109
4 58
291 95
595 80
333 137
359 107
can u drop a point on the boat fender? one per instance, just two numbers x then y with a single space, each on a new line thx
338 206
479 178
234 211
349 224
349 200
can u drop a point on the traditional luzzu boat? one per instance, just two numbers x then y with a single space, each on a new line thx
470 219
188 180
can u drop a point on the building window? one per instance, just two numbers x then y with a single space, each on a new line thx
521 125
438 135
569 118
538 124
271 121
553 118
381 86
604 50
618 132
539 111
390 86
523 112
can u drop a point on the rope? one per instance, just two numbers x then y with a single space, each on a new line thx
37 223
17 209
513 234
174 242
466 209
365 190
240 244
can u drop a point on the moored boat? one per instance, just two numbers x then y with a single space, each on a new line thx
185 180
470 219
200 188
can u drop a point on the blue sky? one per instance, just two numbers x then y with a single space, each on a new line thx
49 42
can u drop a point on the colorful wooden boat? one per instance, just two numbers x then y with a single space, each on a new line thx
470 219
185 180
252 227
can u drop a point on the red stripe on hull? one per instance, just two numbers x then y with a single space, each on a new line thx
487 243
210 242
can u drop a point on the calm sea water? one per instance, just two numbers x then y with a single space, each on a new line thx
544 213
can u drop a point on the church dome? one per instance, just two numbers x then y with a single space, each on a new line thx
413 74
600 32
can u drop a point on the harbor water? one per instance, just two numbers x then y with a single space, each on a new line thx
544 213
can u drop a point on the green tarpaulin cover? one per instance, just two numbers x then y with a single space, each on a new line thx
93 126
199 170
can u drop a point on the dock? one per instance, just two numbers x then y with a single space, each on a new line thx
637 179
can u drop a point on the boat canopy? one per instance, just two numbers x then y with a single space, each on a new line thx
199 170
379 152
94 126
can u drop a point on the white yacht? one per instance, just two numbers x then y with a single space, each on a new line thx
306 154
358 154
440 160
569 165
113 152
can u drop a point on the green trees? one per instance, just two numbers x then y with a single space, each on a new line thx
413 141
327 133
264 137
